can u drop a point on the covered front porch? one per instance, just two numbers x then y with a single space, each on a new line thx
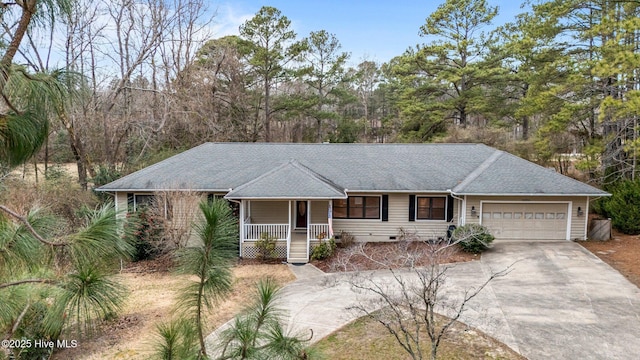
291 203
295 224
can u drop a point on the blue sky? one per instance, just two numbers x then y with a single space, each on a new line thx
372 30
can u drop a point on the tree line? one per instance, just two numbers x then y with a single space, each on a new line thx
144 80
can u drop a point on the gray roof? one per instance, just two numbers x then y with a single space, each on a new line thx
290 180
276 170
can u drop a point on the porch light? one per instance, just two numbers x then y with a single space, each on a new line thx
580 212
473 211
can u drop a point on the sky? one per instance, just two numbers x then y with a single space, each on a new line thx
374 30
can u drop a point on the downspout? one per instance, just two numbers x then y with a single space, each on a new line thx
586 220
241 224
461 218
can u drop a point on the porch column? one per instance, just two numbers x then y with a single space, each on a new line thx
289 230
330 218
241 232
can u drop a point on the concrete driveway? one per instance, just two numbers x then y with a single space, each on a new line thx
558 302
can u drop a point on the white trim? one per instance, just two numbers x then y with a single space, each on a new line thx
284 198
414 191
241 227
295 210
531 194
464 210
569 210
224 191
415 209
289 234
586 219
379 219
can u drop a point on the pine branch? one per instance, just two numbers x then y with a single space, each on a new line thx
30 228
28 281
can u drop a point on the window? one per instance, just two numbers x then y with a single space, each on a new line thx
357 207
142 201
431 208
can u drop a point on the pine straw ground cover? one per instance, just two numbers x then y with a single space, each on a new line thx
622 252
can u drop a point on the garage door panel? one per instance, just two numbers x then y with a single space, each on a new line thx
526 221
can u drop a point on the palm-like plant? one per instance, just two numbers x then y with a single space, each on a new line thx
258 333
209 262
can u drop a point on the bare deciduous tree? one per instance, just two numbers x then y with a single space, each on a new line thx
410 300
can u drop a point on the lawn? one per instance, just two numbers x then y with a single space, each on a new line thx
366 339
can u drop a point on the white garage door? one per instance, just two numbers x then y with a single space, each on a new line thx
526 221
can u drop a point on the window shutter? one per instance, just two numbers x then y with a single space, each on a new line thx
385 207
129 202
412 208
449 208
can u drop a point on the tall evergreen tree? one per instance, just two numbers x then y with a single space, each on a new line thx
274 49
454 62
324 71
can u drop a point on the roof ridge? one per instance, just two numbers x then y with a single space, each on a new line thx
159 163
317 175
478 171
306 170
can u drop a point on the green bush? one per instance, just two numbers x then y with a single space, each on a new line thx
323 250
146 231
473 238
622 207
266 247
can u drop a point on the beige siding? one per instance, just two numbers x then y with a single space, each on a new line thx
577 231
121 204
319 211
269 212
378 230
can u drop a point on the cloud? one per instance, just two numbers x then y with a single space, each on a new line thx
228 19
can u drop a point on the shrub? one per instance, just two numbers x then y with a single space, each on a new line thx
266 246
323 250
346 239
473 238
622 207
146 232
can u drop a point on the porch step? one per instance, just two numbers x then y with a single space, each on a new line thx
301 260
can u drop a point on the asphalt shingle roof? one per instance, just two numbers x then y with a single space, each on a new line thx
288 170
290 180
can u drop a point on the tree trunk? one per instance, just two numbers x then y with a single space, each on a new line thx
267 115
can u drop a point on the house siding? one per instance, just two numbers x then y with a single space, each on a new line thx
577 231
319 211
366 230
269 212
121 205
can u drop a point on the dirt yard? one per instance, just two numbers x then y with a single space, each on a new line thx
622 253
152 295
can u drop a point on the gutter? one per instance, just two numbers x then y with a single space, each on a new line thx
462 218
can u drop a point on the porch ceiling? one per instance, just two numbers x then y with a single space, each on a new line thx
291 180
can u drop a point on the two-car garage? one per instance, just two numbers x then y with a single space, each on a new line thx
526 220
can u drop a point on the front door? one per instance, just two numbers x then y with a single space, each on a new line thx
301 214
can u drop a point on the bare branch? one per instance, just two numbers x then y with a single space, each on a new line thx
30 228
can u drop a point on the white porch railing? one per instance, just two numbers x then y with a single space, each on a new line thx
314 230
252 232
